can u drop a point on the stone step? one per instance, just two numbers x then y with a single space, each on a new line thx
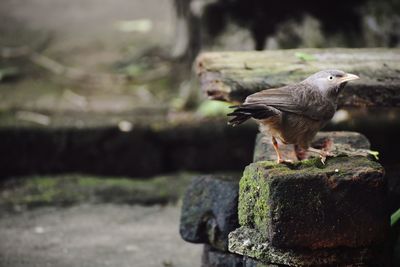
122 147
29 192
231 76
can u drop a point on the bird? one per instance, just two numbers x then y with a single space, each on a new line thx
295 113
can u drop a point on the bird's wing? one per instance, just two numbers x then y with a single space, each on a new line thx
300 99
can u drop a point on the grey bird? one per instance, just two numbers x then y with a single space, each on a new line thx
295 113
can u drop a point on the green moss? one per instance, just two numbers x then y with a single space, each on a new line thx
253 195
339 165
98 181
69 189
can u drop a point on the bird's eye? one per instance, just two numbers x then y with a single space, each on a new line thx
330 78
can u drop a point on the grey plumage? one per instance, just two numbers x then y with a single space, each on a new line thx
295 113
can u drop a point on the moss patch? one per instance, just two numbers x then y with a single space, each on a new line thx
337 165
253 195
62 190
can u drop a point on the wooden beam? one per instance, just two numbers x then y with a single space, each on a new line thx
231 76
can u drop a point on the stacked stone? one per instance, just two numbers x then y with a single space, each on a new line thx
209 214
314 214
300 214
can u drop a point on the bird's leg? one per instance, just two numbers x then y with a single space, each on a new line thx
276 147
327 144
324 151
300 153
278 152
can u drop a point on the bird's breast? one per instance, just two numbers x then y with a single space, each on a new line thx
292 128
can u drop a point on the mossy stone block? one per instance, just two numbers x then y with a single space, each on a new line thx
312 205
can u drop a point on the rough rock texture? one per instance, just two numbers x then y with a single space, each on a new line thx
209 210
393 181
311 205
231 76
249 262
249 242
215 258
264 149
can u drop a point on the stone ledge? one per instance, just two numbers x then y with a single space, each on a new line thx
231 76
146 150
249 242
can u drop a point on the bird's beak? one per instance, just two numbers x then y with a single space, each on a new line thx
348 77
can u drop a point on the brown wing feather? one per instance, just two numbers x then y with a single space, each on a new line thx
300 99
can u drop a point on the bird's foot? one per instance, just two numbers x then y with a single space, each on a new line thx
323 158
322 153
279 161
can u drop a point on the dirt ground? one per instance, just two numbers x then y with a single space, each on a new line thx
96 235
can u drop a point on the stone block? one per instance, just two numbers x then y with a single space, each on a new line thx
249 242
209 210
310 205
265 151
215 258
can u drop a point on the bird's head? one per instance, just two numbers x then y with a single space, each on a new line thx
330 81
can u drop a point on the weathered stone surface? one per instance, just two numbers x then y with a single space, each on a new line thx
231 76
393 182
311 205
249 242
215 258
249 262
209 210
264 149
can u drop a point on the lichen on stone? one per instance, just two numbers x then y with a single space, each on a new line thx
252 196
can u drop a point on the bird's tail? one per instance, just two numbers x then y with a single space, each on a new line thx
246 111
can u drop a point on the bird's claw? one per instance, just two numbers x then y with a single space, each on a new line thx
279 161
324 155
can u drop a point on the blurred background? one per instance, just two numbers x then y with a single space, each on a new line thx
102 123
